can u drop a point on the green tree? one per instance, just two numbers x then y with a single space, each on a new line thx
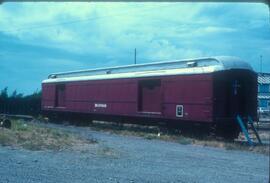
15 94
4 93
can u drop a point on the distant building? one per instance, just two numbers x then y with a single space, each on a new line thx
264 92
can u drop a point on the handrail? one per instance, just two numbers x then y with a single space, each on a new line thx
244 129
250 121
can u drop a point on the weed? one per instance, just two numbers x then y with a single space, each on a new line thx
34 137
150 133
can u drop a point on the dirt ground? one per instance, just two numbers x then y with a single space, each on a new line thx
128 158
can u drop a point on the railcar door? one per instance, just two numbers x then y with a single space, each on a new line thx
150 96
235 93
244 93
237 97
60 95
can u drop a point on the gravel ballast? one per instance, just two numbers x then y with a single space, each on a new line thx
117 158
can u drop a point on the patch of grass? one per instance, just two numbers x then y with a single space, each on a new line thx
236 145
6 137
151 133
185 141
106 151
34 137
150 136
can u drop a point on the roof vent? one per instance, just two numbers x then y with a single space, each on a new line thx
52 76
192 64
108 72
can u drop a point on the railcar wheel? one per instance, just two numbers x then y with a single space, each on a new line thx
5 123
53 118
229 132
213 130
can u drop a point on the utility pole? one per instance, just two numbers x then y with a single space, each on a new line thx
135 57
260 63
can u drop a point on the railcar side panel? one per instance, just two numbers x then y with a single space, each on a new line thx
115 97
193 92
146 97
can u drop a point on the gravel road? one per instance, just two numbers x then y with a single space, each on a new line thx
119 158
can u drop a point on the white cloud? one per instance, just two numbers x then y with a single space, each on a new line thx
158 30
106 34
113 22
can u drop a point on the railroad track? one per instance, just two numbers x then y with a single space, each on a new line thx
16 116
262 126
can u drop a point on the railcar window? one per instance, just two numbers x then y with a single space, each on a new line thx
60 96
150 84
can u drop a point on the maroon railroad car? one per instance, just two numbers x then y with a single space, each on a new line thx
208 91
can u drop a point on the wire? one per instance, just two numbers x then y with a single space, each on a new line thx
76 21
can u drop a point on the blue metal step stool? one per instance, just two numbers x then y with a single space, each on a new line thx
245 131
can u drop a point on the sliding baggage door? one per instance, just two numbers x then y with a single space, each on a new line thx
149 96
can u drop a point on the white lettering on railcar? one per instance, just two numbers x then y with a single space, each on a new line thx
101 105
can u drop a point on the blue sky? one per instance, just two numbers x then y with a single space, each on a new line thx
37 39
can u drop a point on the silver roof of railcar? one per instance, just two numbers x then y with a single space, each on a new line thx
176 67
